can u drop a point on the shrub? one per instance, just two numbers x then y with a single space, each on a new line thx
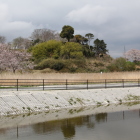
130 66
46 63
71 50
50 63
50 49
72 69
120 64
57 66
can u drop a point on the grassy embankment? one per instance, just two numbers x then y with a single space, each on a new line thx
74 70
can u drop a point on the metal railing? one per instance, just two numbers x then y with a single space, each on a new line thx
65 84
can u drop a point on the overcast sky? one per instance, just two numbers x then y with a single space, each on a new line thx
117 22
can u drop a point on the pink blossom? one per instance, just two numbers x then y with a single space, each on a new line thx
11 59
133 55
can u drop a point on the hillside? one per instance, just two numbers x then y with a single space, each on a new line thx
83 65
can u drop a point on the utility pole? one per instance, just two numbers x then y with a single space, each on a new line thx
124 52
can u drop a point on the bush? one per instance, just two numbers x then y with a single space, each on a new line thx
120 64
50 63
130 66
72 69
57 66
71 50
46 63
49 49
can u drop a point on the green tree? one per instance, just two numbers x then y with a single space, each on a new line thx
71 50
89 36
50 49
86 52
80 39
67 32
99 47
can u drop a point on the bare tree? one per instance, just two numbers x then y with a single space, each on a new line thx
43 35
21 43
58 38
2 39
133 55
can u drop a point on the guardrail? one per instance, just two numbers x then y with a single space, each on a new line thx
65 84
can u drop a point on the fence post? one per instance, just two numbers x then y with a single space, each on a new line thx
66 84
123 82
105 83
43 84
17 84
17 131
87 84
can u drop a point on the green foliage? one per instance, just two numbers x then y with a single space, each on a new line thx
130 66
67 32
56 49
87 52
120 64
46 63
80 39
63 65
71 50
50 63
99 47
57 66
50 49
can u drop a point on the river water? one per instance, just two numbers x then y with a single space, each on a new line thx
120 125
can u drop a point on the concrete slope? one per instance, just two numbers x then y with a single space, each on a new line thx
20 102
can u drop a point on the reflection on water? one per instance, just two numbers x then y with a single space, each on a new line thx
101 117
67 126
103 126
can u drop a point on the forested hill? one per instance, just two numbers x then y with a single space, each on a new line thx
49 51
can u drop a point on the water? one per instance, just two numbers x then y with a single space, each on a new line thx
124 125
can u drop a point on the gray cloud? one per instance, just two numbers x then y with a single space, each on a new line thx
117 22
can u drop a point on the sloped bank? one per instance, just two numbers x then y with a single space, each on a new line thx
20 102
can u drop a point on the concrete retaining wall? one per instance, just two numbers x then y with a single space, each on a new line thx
20 102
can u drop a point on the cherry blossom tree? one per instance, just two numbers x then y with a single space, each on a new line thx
11 59
133 55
